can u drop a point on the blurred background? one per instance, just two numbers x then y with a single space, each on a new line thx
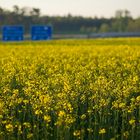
74 18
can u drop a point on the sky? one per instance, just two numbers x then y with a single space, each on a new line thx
86 8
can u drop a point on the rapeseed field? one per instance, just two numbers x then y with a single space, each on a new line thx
70 90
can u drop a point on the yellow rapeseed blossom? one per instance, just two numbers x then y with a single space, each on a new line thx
38 112
27 124
61 114
30 135
47 118
70 89
77 133
132 122
126 134
9 127
102 131
83 116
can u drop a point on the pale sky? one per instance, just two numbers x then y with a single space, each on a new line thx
90 8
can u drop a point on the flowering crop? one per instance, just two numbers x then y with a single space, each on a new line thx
70 90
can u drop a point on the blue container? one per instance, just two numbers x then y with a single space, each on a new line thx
12 33
41 32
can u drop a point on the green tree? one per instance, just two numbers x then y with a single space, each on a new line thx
134 25
104 28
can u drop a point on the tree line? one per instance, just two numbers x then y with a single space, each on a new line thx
121 22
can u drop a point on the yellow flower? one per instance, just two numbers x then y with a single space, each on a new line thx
25 101
132 122
90 130
61 114
27 124
47 118
1 116
9 127
121 105
19 129
15 91
83 116
126 134
77 133
102 131
38 112
30 135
